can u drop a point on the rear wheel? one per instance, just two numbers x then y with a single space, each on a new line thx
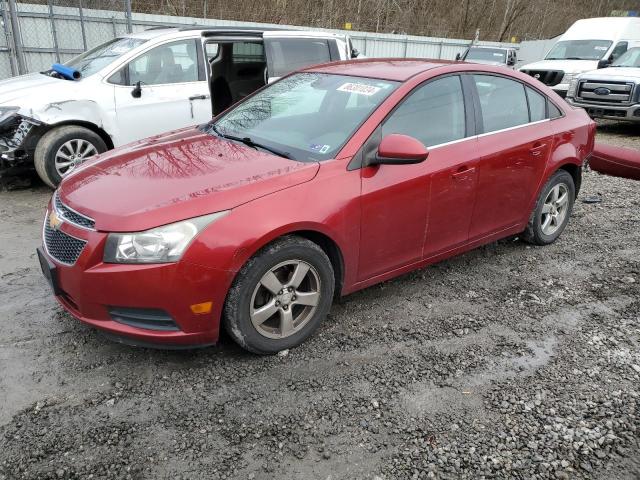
280 296
62 149
552 211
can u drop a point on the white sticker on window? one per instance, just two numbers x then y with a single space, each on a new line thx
359 88
497 54
604 49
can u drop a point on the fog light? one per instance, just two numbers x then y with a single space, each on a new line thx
201 308
637 112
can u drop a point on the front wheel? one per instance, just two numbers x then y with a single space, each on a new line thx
62 149
552 211
280 296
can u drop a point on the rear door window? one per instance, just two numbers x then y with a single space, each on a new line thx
288 54
537 105
502 101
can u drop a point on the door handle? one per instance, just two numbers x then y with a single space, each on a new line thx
462 171
198 97
537 148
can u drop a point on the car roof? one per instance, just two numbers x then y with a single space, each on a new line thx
395 69
169 31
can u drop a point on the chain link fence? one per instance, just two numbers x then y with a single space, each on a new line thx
37 34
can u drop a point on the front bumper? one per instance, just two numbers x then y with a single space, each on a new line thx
92 291
17 140
630 113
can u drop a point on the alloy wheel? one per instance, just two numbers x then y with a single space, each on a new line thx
285 299
555 209
71 154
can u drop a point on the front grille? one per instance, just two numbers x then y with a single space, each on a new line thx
71 215
609 93
64 248
548 77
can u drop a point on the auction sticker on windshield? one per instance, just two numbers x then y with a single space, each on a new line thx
359 88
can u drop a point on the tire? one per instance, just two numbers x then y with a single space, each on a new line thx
266 320
57 139
536 233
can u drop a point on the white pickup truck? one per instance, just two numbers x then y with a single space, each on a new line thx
144 84
612 92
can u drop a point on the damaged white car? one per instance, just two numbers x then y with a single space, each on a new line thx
141 85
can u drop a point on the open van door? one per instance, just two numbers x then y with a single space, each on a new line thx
236 66
287 53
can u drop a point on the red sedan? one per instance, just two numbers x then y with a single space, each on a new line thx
325 182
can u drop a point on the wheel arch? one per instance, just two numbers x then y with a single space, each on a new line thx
576 173
82 123
313 233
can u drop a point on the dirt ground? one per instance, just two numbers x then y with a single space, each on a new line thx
510 361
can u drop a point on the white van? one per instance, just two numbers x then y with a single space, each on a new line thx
143 84
589 44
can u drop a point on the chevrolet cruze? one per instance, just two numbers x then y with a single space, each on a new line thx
325 182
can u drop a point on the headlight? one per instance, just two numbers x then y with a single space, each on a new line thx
567 77
573 85
164 244
6 112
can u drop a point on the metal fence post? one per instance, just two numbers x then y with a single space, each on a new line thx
54 33
84 33
16 37
7 36
127 6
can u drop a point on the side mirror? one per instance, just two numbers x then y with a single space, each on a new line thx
137 90
604 63
396 149
458 56
355 53
511 61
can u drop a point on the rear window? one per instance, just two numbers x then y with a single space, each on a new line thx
289 54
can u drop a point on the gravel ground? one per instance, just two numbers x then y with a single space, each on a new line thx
509 362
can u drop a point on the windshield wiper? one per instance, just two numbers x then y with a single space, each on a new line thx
249 142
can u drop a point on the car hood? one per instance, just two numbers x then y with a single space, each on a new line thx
19 91
567 66
612 73
176 176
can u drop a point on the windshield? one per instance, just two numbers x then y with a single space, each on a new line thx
579 50
631 58
97 58
307 116
487 54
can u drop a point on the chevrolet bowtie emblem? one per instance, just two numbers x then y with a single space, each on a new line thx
55 222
